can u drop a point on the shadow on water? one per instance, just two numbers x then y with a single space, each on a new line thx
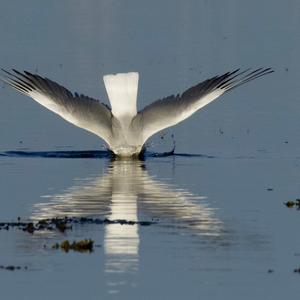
98 154
59 154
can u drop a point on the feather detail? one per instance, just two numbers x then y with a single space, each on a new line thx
122 91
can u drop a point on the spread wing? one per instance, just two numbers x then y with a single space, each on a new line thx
80 110
174 109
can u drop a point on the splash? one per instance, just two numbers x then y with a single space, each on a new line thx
102 154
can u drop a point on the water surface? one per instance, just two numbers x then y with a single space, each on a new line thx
220 229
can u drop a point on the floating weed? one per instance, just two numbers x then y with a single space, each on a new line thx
297 270
290 203
13 268
64 224
86 245
293 203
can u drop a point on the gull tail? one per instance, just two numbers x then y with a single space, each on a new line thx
122 91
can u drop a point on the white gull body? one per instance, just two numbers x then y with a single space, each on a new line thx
123 128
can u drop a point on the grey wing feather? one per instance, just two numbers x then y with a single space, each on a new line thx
174 109
80 110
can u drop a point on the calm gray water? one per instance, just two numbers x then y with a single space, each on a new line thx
221 224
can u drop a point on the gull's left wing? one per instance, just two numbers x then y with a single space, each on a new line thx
174 109
80 110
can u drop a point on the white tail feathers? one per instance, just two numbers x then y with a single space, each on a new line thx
122 91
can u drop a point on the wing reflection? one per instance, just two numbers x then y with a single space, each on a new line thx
127 191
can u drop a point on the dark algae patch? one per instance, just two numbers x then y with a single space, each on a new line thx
293 203
86 245
13 268
42 225
64 224
290 203
297 270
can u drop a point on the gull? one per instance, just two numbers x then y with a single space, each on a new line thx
123 128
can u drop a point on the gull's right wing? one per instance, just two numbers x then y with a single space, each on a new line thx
174 109
80 110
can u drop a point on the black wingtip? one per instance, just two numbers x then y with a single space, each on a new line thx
248 76
6 72
29 74
18 81
18 72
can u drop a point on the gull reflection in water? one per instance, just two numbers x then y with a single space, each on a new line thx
126 191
